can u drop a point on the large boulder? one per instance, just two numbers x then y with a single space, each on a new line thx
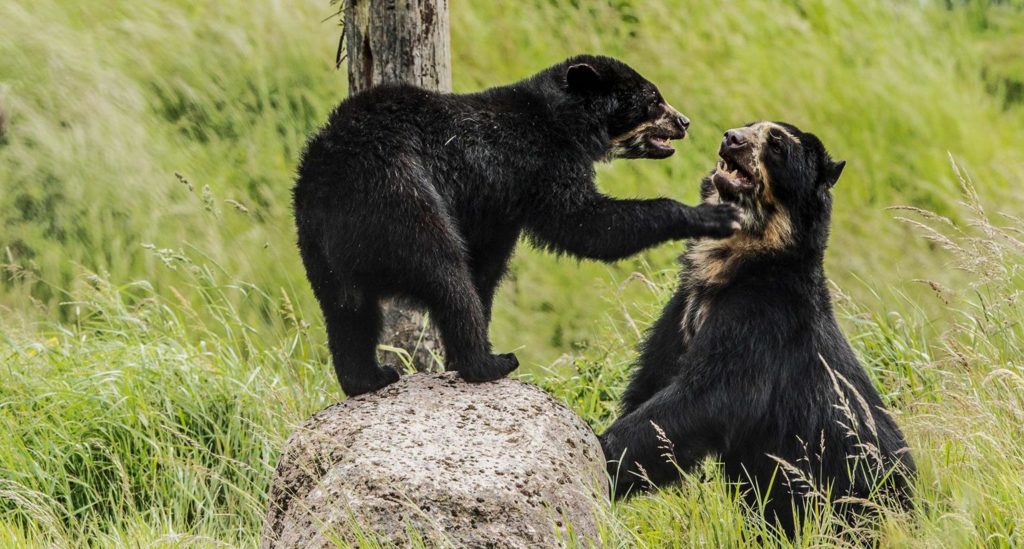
498 464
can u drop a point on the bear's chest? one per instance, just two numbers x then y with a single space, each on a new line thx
696 310
706 274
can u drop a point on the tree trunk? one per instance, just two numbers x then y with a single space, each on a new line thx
401 41
398 41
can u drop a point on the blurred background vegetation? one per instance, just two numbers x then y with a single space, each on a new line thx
152 301
179 124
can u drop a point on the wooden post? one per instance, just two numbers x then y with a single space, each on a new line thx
398 41
401 41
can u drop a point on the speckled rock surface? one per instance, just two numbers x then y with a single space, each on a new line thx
497 464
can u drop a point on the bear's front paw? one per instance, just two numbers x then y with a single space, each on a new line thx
607 445
624 479
714 220
492 368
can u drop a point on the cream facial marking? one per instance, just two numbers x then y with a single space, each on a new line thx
742 178
654 134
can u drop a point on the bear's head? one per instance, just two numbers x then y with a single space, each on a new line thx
638 121
781 178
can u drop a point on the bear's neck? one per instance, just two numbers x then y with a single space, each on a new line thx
714 262
568 120
712 268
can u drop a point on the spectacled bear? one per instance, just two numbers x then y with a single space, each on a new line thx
422 195
747 362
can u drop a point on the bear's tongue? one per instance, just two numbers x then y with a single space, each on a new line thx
660 142
730 181
725 186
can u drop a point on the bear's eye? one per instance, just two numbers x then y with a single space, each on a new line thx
652 104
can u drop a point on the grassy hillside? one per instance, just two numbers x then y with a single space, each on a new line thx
107 101
152 302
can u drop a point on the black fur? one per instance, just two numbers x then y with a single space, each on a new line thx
406 192
736 365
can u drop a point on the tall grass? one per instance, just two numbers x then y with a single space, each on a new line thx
149 418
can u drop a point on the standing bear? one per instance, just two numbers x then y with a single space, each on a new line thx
406 192
747 362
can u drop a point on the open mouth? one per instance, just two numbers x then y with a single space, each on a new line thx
661 143
732 179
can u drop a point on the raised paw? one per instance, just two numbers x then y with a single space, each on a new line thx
382 377
715 220
490 369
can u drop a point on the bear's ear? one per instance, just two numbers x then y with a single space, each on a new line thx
833 170
582 78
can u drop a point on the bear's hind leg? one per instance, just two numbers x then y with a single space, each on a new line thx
352 333
353 320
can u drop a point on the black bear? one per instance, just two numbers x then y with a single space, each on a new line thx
747 362
422 195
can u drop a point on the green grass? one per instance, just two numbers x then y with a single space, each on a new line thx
158 340
149 419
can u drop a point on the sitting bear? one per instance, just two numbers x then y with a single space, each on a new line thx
747 362
422 195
